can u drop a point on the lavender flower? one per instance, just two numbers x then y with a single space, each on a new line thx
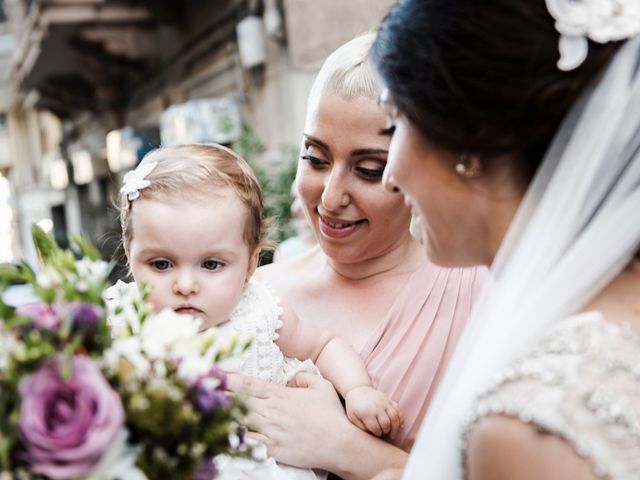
85 317
209 391
206 470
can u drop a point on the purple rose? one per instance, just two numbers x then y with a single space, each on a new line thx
209 391
66 425
43 315
85 317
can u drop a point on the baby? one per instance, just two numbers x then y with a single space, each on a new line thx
192 228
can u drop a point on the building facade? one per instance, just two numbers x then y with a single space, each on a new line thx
97 83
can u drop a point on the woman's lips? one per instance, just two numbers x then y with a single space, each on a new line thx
338 228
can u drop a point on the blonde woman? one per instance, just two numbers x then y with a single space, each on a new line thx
367 281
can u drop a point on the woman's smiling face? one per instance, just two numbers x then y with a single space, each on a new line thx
340 180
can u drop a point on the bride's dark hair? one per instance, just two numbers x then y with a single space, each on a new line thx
475 81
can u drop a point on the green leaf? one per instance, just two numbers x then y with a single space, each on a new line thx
85 247
11 274
45 244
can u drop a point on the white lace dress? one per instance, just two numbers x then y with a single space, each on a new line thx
582 383
257 316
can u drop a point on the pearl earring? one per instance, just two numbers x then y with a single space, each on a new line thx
468 166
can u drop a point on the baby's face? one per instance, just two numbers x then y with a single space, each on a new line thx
192 253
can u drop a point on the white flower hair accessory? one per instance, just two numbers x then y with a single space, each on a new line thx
599 20
135 180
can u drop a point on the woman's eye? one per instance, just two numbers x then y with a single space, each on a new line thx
369 174
211 265
161 264
315 162
387 131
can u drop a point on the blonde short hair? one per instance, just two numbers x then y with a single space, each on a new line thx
348 72
193 171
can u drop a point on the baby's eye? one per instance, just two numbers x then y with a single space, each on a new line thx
161 264
211 265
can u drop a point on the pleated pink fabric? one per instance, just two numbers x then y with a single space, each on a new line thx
409 349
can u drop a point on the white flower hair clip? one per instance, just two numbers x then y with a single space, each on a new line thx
599 20
135 180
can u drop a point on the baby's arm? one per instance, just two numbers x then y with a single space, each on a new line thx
366 407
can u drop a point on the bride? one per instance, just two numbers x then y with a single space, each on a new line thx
517 140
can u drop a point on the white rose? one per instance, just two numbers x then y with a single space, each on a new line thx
131 350
193 367
119 461
48 278
168 334
121 300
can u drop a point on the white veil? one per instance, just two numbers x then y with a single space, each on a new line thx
576 229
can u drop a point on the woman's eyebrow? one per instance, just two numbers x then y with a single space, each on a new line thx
369 151
319 142
354 153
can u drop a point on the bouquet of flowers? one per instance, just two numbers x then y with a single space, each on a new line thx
107 390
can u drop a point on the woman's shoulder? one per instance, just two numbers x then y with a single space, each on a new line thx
505 448
290 271
578 386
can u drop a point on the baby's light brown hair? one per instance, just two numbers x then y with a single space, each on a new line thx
194 171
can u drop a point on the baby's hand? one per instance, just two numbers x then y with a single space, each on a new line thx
373 411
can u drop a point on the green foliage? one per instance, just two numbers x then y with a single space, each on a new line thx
45 244
11 274
277 184
276 178
248 145
85 248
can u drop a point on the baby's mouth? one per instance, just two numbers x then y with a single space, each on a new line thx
189 311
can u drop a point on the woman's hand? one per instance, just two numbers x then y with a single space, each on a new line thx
305 425
395 474
301 426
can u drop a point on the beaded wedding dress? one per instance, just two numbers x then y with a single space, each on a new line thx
581 382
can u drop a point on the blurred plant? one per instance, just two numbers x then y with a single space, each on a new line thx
276 177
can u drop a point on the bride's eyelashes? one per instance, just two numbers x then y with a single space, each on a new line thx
370 175
387 131
315 162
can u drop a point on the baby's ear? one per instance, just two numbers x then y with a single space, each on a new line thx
253 263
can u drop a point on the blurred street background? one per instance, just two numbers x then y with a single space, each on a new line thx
87 87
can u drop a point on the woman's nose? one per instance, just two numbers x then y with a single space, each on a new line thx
389 182
185 283
335 194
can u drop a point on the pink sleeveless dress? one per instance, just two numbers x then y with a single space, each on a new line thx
408 351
